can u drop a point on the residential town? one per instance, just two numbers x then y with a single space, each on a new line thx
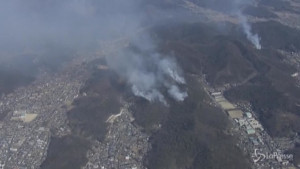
265 152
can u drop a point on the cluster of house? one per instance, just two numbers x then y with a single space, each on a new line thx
244 119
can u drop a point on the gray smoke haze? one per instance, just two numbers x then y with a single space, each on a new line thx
148 72
77 24
82 26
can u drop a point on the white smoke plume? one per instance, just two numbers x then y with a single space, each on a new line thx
253 38
235 8
177 94
170 68
148 72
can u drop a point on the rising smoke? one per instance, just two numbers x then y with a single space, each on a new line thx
235 8
148 72
253 38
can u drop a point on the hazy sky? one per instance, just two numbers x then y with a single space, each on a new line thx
34 25
83 24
